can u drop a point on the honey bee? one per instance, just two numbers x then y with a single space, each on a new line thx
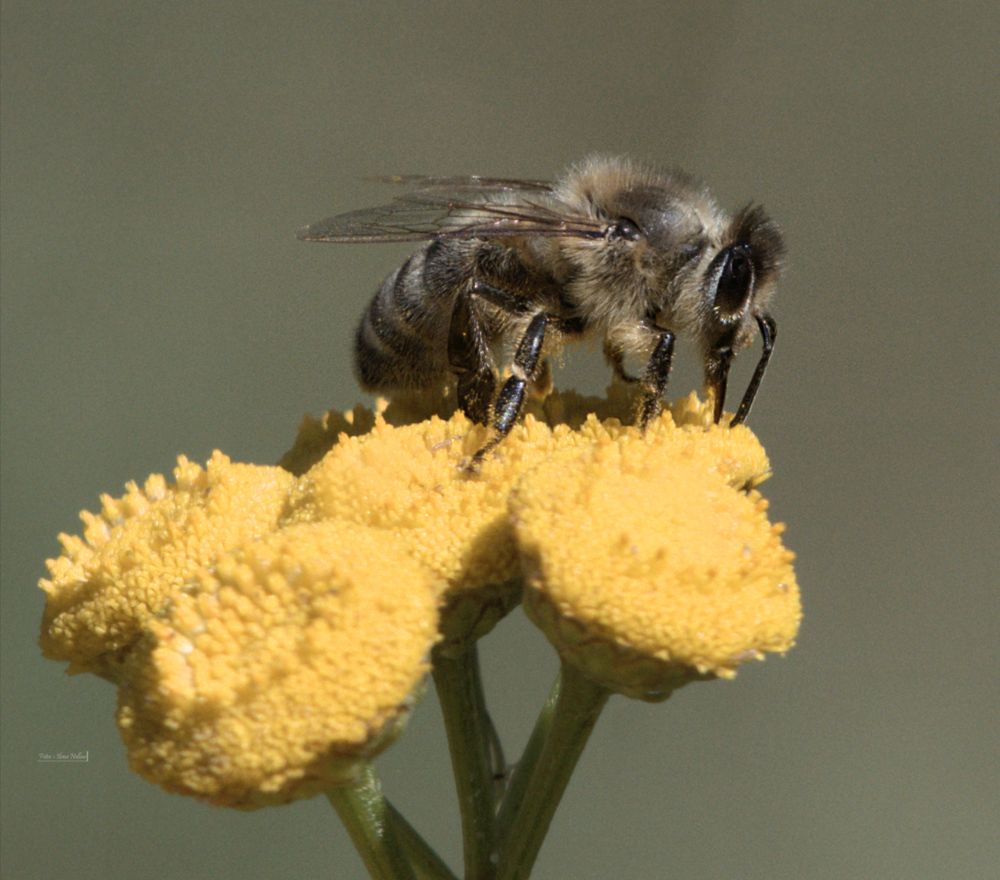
613 251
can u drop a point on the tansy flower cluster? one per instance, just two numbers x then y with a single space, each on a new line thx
269 628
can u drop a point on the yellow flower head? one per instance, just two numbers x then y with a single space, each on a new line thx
269 631
408 482
647 564
276 674
143 547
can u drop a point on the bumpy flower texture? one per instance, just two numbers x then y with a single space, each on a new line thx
257 661
143 548
649 567
269 627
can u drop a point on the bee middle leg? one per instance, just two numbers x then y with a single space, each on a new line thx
510 400
654 379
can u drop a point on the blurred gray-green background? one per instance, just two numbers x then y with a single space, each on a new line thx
158 158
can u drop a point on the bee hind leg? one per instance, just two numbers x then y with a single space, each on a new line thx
510 400
469 359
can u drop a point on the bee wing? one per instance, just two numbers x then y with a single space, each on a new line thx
464 182
459 208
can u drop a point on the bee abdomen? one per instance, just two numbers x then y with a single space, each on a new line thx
399 343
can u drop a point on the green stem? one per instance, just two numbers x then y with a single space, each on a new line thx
460 691
366 816
498 763
427 864
577 709
525 767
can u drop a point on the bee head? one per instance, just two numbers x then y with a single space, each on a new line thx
743 274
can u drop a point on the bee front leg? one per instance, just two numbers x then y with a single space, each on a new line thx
510 400
469 359
716 377
654 379
768 331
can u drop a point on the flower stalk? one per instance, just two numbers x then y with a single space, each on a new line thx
525 768
569 725
470 741
366 816
427 864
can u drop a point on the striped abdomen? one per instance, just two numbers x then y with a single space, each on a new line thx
402 341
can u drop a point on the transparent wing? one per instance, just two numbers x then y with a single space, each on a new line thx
468 181
458 208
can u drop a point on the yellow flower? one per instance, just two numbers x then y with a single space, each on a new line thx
143 547
648 566
297 658
408 481
270 631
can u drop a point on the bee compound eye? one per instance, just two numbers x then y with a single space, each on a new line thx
624 228
735 279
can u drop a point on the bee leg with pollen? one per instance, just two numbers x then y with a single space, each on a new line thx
654 379
768 331
510 400
469 359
